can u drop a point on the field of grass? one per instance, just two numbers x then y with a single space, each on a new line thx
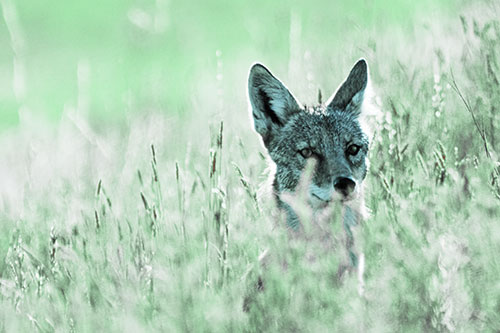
152 220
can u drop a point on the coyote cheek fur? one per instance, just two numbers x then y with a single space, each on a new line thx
332 134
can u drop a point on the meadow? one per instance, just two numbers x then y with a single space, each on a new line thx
131 192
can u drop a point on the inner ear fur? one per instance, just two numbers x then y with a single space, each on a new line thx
271 102
349 96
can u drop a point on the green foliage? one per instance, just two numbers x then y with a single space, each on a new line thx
126 56
156 225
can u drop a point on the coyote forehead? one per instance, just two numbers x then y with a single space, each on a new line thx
331 134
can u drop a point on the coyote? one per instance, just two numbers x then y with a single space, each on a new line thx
332 135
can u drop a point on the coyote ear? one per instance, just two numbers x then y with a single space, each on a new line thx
349 96
271 102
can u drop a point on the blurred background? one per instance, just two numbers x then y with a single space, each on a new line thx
110 59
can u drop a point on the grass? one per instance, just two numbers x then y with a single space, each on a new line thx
156 225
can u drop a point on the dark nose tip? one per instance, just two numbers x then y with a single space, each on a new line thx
344 185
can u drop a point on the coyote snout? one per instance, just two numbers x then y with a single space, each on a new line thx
342 189
345 186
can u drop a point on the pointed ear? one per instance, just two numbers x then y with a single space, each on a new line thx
272 103
349 96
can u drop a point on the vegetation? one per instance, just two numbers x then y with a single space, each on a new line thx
154 222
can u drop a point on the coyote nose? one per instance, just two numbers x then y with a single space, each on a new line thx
344 185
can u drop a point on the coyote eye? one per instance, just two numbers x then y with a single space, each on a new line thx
306 152
353 150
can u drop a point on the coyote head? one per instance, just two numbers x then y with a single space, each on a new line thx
331 134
